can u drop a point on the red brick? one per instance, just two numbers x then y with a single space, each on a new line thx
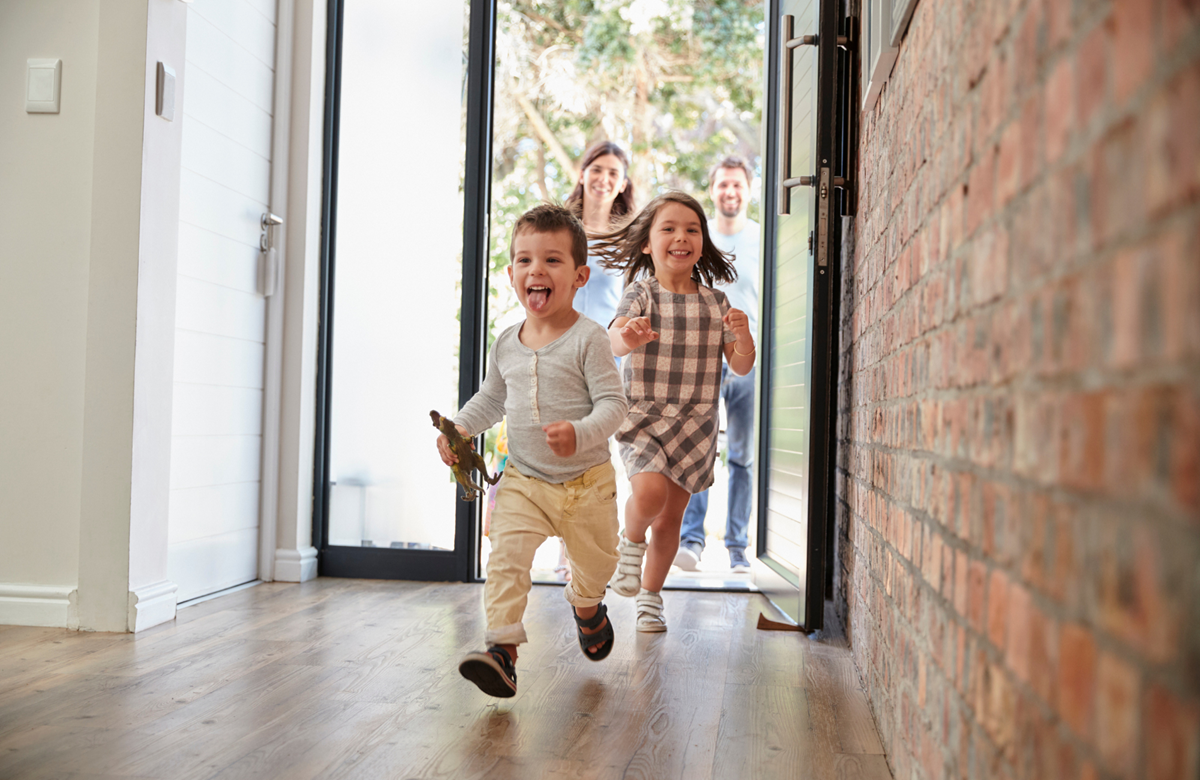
1077 678
1134 600
1118 698
961 564
1020 617
1127 272
1008 174
997 609
1133 45
1000 709
1081 454
1044 656
1031 152
980 192
1060 109
1179 19
1171 725
1118 198
976 586
1183 147
1091 73
989 266
1058 21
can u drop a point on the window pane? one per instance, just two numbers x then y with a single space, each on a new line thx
398 270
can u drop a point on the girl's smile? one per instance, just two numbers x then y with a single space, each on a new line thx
675 244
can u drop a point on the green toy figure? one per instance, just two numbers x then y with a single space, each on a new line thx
468 459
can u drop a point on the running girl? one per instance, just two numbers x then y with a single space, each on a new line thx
675 328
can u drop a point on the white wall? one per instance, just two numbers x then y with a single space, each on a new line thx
89 203
46 165
89 211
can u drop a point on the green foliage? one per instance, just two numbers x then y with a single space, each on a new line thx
678 83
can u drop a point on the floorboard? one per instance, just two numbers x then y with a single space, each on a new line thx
358 679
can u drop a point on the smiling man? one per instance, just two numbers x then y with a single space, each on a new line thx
732 232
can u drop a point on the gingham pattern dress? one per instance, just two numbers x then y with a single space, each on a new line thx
674 383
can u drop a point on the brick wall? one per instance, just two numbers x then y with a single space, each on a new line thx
1019 419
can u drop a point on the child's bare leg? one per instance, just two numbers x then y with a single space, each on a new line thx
511 650
664 539
645 503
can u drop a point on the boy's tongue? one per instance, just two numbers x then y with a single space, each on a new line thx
537 299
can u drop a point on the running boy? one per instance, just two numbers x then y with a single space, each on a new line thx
553 376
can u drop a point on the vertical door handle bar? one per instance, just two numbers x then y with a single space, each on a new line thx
785 128
786 182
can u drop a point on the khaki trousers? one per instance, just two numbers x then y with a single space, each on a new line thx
582 511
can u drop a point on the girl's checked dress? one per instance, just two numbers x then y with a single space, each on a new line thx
674 383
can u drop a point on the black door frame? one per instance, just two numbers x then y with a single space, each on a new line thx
825 298
461 563
458 564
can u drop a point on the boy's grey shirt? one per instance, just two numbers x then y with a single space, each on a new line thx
572 378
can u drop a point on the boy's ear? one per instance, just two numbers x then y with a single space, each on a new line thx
582 274
509 269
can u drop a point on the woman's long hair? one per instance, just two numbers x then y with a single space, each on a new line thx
624 203
621 248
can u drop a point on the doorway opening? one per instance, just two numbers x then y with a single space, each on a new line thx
677 86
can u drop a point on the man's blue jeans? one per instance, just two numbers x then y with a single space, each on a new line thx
738 392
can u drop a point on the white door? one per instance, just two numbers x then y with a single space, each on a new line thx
220 321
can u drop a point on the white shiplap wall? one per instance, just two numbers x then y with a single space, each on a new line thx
220 317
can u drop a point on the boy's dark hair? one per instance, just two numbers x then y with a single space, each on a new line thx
623 205
622 248
551 218
732 161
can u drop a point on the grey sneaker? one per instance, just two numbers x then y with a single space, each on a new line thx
737 559
688 557
627 580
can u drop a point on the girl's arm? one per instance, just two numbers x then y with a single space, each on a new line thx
739 354
627 334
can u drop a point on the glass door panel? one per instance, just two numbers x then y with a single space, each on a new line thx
395 277
677 86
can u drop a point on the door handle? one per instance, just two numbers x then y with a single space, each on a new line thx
268 258
786 180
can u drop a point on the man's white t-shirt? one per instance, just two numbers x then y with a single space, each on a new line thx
744 245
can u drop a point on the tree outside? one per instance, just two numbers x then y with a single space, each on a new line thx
677 83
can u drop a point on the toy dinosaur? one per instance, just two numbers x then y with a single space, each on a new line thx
468 459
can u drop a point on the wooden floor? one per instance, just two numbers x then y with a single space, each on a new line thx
359 679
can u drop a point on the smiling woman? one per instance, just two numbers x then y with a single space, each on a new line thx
602 197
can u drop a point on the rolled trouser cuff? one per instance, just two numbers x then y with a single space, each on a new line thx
576 600
506 635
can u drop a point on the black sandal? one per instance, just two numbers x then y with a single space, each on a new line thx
603 637
493 671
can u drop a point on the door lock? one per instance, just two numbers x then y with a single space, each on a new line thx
268 261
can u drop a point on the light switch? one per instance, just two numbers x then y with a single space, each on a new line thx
43 83
164 104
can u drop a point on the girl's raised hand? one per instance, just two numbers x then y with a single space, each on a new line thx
560 438
738 322
637 332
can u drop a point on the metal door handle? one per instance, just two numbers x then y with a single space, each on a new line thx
268 259
786 180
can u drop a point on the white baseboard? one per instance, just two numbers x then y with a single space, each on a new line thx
295 565
150 605
38 605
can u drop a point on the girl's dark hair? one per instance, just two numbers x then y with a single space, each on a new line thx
622 247
624 204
